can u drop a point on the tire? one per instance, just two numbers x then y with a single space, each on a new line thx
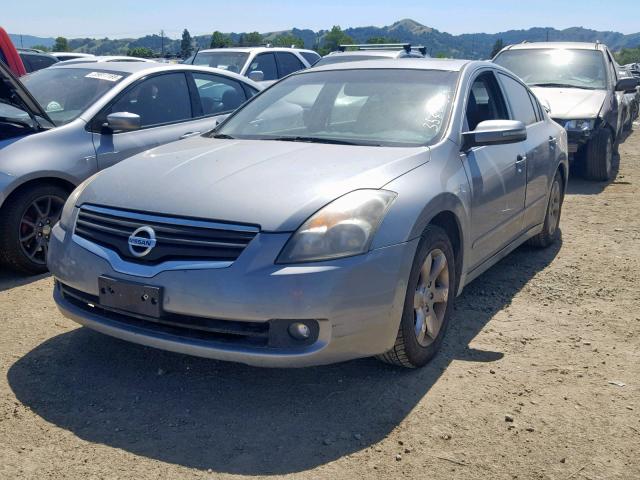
413 349
25 225
550 230
599 156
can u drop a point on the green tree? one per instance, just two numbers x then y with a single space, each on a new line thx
219 40
378 40
141 52
628 55
441 55
288 41
43 48
249 39
61 45
185 45
499 45
333 39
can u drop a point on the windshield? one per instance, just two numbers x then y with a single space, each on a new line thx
64 93
556 67
391 107
232 61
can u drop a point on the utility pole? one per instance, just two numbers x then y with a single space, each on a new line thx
547 34
162 43
21 45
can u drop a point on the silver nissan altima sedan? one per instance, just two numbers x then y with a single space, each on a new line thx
336 215
72 121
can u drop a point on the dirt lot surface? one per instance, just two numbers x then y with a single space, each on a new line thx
539 378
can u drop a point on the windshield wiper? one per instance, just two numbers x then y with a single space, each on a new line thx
16 121
332 141
561 85
223 135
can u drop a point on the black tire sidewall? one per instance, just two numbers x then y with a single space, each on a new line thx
432 238
11 252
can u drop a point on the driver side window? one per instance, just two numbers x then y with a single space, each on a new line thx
485 101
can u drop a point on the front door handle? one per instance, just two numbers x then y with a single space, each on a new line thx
520 160
553 140
189 134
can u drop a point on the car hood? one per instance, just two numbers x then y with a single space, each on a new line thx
571 103
15 90
274 184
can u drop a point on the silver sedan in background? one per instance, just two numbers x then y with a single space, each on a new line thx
336 215
85 117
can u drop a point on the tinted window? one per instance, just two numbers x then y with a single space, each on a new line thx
232 61
38 62
536 106
265 63
218 94
485 101
310 57
556 67
26 61
519 99
288 63
361 107
160 99
64 93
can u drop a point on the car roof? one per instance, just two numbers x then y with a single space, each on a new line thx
563 45
367 53
449 65
252 49
142 68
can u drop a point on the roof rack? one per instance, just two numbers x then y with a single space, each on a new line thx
407 47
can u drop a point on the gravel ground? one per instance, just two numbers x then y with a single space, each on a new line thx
539 378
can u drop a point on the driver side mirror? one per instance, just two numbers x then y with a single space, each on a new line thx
627 85
123 121
256 76
495 132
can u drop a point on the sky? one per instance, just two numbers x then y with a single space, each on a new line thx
118 19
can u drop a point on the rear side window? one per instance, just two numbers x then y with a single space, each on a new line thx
519 99
310 57
218 94
485 101
158 100
38 62
536 107
265 63
26 61
288 63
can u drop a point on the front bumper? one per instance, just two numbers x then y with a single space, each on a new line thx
357 302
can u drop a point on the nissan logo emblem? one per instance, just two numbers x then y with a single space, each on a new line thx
142 241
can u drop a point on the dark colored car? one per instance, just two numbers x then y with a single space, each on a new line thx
34 60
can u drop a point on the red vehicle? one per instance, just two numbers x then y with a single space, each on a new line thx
9 54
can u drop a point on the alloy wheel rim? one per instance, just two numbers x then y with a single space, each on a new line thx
431 297
35 227
554 208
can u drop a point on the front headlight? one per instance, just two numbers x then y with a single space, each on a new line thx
343 228
67 212
580 125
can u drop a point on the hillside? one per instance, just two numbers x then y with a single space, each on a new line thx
469 45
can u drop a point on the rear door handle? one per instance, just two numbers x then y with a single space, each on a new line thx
521 159
553 140
189 134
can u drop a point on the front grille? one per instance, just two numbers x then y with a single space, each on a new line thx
255 334
176 238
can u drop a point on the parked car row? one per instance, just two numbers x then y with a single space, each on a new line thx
334 215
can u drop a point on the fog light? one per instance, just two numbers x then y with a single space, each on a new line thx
299 331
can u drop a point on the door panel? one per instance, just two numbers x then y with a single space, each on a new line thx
497 174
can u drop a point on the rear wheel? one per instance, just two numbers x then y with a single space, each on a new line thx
550 230
428 302
25 227
599 156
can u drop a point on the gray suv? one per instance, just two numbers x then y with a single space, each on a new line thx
335 215
581 86
82 118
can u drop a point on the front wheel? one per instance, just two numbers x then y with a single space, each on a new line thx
428 302
599 156
25 227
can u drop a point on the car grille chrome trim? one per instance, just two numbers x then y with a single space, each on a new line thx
178 243
145 271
